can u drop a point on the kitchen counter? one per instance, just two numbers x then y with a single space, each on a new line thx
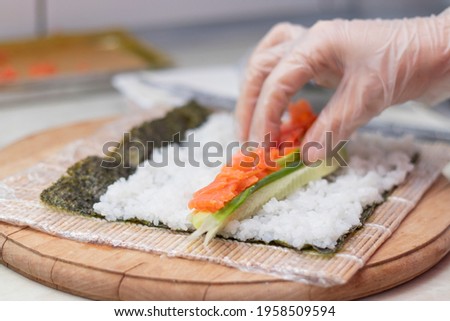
24 118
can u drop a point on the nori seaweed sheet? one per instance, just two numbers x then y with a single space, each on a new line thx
85 181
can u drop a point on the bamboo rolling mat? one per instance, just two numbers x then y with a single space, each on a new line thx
19 205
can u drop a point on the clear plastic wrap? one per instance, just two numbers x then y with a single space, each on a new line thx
20 205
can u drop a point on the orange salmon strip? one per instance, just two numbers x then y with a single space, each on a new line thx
248 168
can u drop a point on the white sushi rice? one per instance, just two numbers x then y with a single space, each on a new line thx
161 194
317 214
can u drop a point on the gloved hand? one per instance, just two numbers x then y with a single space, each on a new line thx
373 63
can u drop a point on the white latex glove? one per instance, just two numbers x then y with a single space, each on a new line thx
373 63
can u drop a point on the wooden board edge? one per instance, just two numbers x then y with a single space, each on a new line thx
130 287
9 168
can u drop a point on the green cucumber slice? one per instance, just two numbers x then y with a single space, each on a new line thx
278 184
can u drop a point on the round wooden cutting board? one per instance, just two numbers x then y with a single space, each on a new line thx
104 272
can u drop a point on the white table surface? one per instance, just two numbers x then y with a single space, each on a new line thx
21 119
